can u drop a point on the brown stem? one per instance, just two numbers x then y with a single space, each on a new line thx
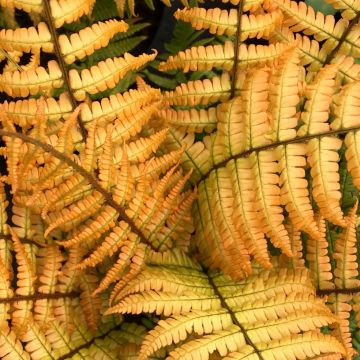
333 53
273 145
56 295
62 64
349 291
237 49
234 319
86 175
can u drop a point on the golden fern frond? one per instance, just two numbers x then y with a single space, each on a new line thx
313 54
22 112
45 313
296 261
105 74
89 39
200 92
352 145
318 257
302 17
220 316
118 106
317 108
221 22
339 304
27 39
78 203
284 96
31 82
10 345
292 163
323 159
350 7
28 6
208 57
192 120
346 271
68 11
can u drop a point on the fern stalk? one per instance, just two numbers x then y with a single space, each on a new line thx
87 175
62 64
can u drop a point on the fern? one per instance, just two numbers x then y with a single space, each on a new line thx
267 315
279 116
265 124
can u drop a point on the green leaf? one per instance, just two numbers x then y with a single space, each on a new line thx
161 80
115 49
321 6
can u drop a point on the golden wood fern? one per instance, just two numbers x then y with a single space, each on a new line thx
267 316
97 190
280 121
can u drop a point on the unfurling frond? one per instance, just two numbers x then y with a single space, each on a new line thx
208 313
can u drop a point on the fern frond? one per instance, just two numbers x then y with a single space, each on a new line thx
22 112
292 163
27 39
317 107
105 74
26 5
89 39
224 326
192 120
350 7
346 107
346 271
208 57
318 257
33 81
200 92
118 106
339 303
312 54
68 11
10 346
323 158
351 141
224 22
301 17
284 95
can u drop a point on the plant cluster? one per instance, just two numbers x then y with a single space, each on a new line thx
214 217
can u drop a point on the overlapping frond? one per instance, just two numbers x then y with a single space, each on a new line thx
217 315
277 166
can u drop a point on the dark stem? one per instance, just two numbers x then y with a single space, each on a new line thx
62 64
323 292
237 48
88 344
233 316
56 295
23 240
86 175
333 53
273 145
